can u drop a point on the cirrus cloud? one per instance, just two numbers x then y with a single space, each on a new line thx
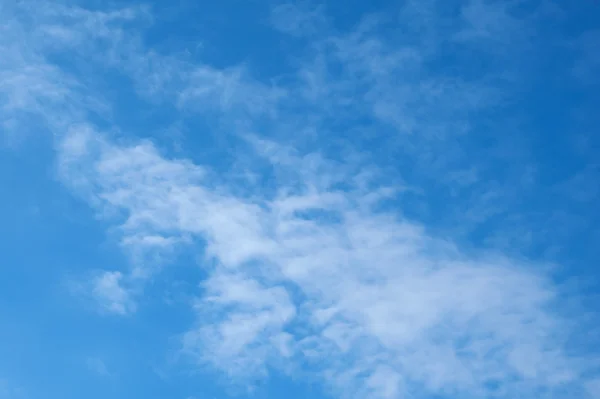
359 216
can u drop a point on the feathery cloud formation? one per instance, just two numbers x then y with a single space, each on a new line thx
315 214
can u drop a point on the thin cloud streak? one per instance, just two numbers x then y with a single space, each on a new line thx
321 267
359 291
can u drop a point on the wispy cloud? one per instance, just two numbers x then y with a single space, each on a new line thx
97 365
322 274
316 259
593 388
301 19
8 391
587 67
108 290
40 90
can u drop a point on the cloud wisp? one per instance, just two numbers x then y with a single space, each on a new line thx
313 265
322 272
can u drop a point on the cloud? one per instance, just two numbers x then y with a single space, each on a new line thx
401 89
39 89
108 290
9 391
298 19
313 263
256 317
37 92
593 388
97 366
229 91
328 275
587 67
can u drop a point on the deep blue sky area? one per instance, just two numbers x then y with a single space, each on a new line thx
337 200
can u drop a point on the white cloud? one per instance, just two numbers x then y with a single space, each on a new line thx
9 391
587 66
3 386
368 297
593 388
242 339
97 365
317 269
38 92
107 288
227 91
298 19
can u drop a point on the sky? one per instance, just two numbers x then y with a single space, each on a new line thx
329 200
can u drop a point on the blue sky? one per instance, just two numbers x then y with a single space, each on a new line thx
381 200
